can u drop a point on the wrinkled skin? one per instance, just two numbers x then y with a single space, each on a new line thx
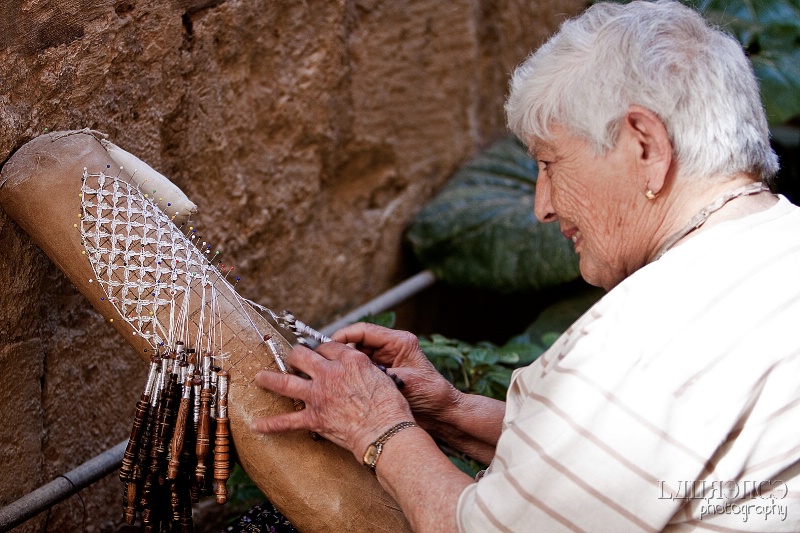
427 392
373 402
598 201
347 368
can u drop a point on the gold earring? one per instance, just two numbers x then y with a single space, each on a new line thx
650 195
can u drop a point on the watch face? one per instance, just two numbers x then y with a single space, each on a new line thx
371 455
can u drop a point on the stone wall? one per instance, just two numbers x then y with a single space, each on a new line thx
308 133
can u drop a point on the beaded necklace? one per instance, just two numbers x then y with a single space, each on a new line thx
700 218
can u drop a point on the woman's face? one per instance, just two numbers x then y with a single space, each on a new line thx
597 202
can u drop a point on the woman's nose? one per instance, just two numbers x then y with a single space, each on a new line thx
542 205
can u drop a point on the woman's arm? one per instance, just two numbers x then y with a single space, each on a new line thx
422 481
471 426
350 402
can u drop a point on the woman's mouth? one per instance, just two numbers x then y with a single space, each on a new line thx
575 236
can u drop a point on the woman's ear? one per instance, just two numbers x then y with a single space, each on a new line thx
652 149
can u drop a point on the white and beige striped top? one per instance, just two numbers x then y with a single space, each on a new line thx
673 404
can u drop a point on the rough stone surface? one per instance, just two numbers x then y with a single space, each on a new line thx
308 133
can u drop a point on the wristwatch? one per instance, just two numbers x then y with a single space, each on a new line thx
374 450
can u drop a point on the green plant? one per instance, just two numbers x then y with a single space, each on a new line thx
485 368
480 230
482 368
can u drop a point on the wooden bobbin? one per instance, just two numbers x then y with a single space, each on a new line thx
139 421
179 432
222 442
203 437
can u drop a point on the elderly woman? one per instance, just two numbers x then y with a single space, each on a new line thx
673 404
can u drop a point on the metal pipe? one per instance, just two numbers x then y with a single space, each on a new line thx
384 301
64 486
61 487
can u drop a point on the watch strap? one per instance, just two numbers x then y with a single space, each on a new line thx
374 450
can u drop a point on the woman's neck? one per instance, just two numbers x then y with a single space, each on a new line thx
699 207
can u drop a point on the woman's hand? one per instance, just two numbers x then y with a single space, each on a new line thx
348 400
428 393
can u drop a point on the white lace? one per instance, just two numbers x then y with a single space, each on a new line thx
140 258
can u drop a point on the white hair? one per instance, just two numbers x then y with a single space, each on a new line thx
662 56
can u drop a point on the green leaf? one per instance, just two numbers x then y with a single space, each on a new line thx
483 356
526 352
386 319
468 466
550 337
441 339
480 230
554 320
779 75
509 354
501 376
480 369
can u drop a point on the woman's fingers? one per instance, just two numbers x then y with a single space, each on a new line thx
366 335
287 385
385 346
308 361
350 334
280 423
334 351
346 398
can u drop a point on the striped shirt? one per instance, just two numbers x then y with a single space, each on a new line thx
673 404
